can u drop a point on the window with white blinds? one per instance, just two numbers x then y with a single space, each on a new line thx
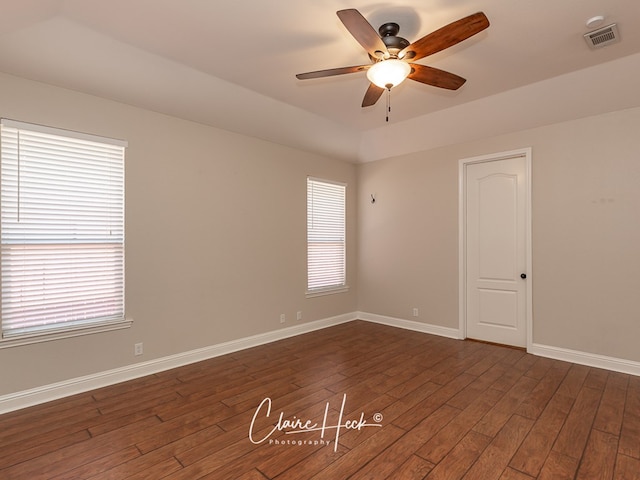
62 230
326 270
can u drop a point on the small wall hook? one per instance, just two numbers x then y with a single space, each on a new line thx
373 198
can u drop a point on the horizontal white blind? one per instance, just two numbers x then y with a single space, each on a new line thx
325 235
62 229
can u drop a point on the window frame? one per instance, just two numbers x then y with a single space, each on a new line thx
334 288
35 333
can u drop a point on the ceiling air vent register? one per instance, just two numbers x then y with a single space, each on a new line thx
603 36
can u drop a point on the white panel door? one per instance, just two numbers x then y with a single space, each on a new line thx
496 250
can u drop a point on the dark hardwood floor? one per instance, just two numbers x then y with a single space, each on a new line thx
408 406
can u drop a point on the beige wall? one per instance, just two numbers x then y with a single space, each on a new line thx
586 233
215 236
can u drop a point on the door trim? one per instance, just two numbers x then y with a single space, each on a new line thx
462 217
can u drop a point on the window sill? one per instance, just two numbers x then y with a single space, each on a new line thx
326 291
60 333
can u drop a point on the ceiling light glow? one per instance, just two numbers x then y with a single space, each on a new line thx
388 73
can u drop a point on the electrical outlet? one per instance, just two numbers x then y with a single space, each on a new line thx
138 349
415 312
282 318
299 315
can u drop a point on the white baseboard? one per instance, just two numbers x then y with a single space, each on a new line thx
411 325
54 391
574 356
584 358
46 393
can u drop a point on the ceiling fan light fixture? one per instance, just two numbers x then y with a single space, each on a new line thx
391 54
388 73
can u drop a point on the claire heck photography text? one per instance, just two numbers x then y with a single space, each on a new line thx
322 431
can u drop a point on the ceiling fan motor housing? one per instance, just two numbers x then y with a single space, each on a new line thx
389 34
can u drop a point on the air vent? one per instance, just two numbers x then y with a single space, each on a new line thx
603 36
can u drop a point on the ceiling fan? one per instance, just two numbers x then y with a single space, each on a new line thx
391 55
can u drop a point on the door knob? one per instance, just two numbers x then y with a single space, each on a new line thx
523 275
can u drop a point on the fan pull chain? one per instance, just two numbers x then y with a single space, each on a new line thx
388 103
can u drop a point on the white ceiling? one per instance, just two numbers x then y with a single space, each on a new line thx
232 64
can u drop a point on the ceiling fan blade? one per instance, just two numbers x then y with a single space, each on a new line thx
445 37
363 32
435 77
331 72
372 95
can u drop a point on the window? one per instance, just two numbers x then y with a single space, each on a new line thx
62 231
326 272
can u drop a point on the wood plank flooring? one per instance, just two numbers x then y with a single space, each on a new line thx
394 404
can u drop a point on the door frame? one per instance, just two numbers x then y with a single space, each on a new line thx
462 220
